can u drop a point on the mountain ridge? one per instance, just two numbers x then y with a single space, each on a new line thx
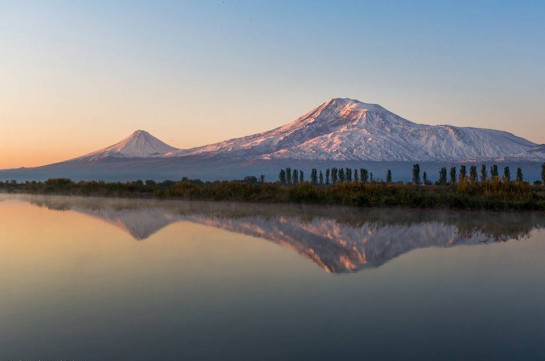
340 132
347 129
341 129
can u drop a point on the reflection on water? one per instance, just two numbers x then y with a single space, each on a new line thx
111 279
339 240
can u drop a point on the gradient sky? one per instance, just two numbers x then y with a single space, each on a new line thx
76 76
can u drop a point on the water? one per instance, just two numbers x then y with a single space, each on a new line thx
103 279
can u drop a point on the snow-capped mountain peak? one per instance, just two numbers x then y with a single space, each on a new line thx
347 129
139 144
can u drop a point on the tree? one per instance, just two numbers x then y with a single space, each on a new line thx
349 174
356 175
463 173
389 176
327 171
262 178
520 177
443 176
484 173
334 175
370 176
416 174
321 178
543 173
364 175
507 174
250 179
473 174
453 175
425 178
295 176
341 175
314 176
288 175
282 176
494 171
301 176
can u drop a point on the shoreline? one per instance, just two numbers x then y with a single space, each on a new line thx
483 196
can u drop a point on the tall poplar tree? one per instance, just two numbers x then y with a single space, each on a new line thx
416 174
507 173
484 173
314 176
282 176
443 176
364 175
473 174
463 173
520 177
288 175
494 171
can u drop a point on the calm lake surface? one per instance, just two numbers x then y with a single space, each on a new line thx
102 279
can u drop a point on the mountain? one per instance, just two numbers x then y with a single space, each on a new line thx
139 144
338 133
347 129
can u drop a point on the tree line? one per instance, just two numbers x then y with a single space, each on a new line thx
457 188
332 176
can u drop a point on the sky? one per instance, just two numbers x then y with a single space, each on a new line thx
76 76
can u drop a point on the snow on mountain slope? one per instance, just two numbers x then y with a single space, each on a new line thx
535 154
347 129
139 144
537 151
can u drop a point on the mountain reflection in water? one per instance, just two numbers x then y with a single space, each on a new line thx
337 239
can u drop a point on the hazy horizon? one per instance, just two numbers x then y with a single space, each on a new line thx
78 77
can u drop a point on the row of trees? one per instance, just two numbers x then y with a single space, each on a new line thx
332 176
287 176
474 174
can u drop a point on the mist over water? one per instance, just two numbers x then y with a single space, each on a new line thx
99 279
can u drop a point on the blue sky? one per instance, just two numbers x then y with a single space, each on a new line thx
82 74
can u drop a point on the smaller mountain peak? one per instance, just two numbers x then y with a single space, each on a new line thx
140 144
140 132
